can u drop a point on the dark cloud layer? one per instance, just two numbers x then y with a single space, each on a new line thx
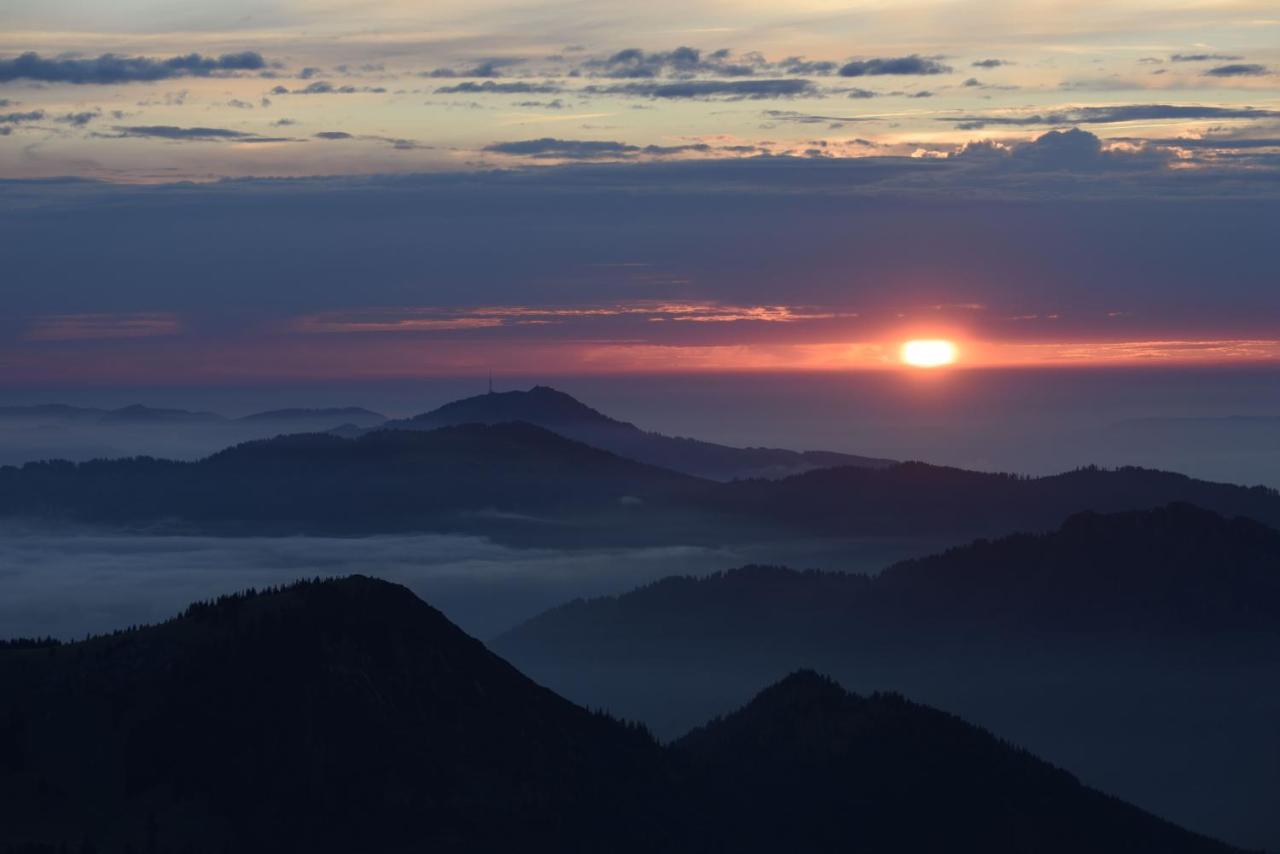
1238 70
193 134
490 87
486 68
732 89
322 87
574 149
112 68
1110 115
680 62
902 65
870 233
19 118
1202 57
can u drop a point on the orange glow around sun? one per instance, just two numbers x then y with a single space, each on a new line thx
928 353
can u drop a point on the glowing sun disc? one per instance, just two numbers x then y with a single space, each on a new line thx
928 353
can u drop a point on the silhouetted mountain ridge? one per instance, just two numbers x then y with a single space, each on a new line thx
914 497
1143 645
348 715
479 478
1172 571
449 479
564 414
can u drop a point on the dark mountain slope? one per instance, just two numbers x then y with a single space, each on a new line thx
563 414
1143 647
449 479
349 716
519 481
1175 572
139 414
809 759
917 497
337 716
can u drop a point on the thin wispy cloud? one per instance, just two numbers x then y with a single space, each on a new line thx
100 327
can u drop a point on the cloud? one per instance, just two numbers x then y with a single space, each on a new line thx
989 63
96 327
79 119
197 134
22 118
1217 142
1202 57
680 62
575 149
1071 150
111 68
401 144
489 87
800 65
486 68
435 319
809 118
1110 115
1238 70
701 89
321 87
904 65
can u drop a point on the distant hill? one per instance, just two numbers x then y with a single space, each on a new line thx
917 498
348 716
457 478
1143 644
523 482
139 414
563 414
1175 571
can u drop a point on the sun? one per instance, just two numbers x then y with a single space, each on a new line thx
928 353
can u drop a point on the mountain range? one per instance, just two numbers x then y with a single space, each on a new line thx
1144 646
348 715
563 414
520 482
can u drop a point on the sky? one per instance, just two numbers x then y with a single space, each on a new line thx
291 191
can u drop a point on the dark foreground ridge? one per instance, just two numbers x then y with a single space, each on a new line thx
1144 647
348 716
1174 572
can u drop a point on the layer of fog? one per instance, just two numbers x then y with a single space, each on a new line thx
71 583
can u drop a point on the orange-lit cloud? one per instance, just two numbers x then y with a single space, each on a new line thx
437 319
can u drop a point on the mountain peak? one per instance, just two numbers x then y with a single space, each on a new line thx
541 404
